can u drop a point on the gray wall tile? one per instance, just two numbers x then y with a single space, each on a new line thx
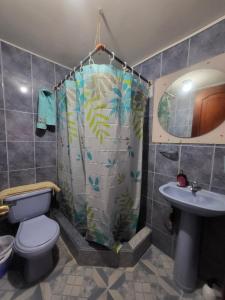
1 90
3 180
16 62
160 216
60 73
46 174
20 68
3 157
151 67
165 165
2 125
45 154
21 177
219 168
158 181
196 162
21 155
42 70
19 126
1 95
14 98
208 43
163 241
175 58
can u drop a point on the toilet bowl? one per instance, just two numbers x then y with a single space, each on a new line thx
37 234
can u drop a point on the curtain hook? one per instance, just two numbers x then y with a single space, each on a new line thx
132 70
81 66
91 60
139 77
112 57
125 66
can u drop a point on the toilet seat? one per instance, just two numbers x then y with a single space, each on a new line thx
36 236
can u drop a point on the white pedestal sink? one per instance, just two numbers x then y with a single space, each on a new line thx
192 205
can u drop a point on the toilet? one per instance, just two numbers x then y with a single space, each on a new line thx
37 234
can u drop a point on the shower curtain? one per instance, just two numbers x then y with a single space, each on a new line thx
100 128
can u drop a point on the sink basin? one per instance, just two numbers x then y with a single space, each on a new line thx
202 203
193 207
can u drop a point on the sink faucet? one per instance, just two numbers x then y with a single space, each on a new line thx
194 186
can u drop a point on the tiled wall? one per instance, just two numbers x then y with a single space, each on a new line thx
202 162
26 156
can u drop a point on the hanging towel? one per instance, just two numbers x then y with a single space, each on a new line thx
46 109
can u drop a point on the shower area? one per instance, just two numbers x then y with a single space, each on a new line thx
100 113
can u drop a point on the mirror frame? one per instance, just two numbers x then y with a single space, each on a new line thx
159 135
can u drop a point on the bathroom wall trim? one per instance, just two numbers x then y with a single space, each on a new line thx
179 41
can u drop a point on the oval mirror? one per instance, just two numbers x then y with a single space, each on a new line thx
194 104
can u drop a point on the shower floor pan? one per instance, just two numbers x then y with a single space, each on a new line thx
90 254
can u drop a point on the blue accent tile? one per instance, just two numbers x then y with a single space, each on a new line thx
207 43
175 58
151 67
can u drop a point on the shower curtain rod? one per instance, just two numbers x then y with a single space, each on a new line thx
101 47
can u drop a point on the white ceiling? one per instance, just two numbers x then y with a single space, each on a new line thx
64 30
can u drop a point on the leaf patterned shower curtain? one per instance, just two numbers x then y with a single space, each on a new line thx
100 128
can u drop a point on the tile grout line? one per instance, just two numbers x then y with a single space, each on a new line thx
161 61
32 99
179 161
188 54
56 127
153 185
18 170
4 104
212 167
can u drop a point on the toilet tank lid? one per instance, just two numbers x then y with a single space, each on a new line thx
27 195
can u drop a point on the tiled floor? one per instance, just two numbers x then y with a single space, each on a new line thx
150 279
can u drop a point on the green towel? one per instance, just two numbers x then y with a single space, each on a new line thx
46 109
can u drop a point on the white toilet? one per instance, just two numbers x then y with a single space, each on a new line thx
36 235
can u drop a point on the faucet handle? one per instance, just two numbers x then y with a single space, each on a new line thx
194 186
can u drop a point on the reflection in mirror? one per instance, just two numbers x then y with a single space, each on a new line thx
194 104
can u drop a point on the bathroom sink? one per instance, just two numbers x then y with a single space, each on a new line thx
193 206
202 203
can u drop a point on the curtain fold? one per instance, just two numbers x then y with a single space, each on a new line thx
100 128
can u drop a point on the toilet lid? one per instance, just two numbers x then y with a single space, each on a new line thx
36 232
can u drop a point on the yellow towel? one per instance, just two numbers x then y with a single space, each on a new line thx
27 188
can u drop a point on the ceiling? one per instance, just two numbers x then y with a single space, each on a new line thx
64 31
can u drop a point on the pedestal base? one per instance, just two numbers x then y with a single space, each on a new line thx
187 252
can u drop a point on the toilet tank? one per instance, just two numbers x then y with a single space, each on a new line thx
28 205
